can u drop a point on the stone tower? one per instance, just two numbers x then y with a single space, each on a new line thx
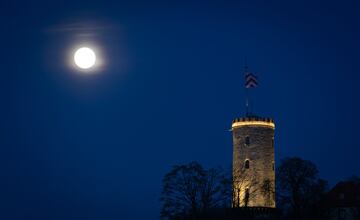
253 162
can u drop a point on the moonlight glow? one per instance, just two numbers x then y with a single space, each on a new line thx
85 58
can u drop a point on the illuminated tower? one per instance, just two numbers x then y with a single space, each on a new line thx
253 162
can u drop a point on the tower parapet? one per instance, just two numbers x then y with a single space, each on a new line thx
253 121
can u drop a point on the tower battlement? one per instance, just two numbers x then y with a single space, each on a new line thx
253 121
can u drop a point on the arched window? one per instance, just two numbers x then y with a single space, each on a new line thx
246 197
247 164
247 140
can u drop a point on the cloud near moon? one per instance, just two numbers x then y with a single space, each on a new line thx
82 28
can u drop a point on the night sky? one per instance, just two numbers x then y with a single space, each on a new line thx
77 145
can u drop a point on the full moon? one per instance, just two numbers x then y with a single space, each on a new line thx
85 58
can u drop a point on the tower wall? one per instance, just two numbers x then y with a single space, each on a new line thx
253 181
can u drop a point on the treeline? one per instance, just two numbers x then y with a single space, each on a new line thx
192 192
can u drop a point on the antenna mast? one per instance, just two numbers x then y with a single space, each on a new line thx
246 90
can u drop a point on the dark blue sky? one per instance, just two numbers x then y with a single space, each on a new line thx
96 146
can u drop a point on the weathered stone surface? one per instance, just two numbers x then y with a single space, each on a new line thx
260 153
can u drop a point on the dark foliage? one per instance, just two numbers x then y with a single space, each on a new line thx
190 190
299 189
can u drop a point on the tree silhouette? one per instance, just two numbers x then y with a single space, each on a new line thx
245 186
267 189
299 187
189 190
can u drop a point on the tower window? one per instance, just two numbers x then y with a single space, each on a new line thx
246 197
273 166
247 164
247 192
247 140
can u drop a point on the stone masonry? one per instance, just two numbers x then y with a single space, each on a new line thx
253 162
